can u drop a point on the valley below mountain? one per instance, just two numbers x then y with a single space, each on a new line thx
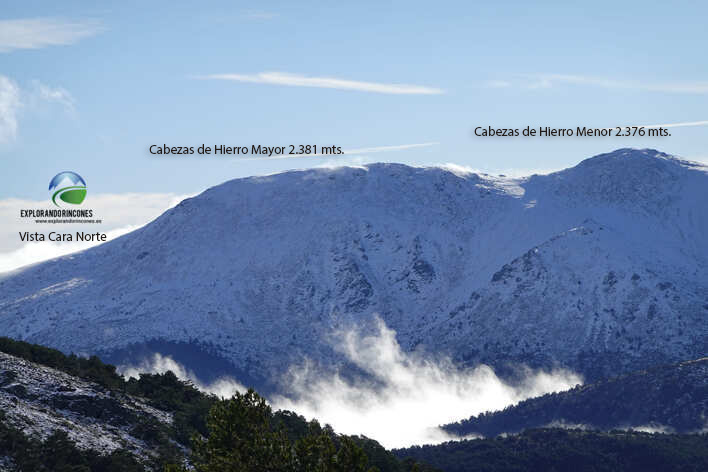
68 413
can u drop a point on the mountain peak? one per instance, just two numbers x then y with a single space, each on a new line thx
259 271
635 159
645 178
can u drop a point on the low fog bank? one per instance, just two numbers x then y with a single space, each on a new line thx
410 394
158 364
403 397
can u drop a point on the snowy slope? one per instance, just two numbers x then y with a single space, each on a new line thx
40 400
599 267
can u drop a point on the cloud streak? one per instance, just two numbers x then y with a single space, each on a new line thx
666 125
547 81
36 33
398 147
9 106
678 125
58 95
14 98
296 80
347 153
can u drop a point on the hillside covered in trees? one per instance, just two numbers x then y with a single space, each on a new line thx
181 428
569 450
671 398
208 433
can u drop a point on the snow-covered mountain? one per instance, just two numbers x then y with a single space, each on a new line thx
602 267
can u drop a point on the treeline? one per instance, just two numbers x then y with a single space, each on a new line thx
672 396
244 435
237 434
569 450
90 368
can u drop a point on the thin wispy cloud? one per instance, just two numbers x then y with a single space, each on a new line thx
35 33
14 98
9 106
547 81
495 173
296 80
54 94
345 153
678 125
665 125
398 147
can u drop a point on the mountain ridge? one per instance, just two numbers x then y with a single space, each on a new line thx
303 253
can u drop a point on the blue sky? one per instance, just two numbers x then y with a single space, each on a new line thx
89 86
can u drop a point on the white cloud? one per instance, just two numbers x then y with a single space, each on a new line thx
224 387
121 213
665 125
678 125
295 80
9 105
13 98
35 33
405 401
398 147
544 81
514 173
31 253
459 170
410 395
54 94
356 153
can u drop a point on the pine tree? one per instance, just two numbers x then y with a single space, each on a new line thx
241 438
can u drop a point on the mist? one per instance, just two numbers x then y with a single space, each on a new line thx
410 394
404 398
223 387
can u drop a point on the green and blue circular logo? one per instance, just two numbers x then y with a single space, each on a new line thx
70 188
